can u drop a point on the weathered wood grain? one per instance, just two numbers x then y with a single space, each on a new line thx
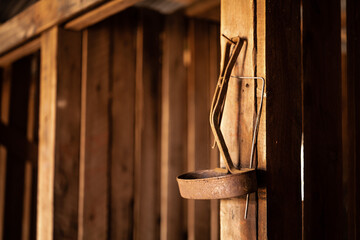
173 131
323 204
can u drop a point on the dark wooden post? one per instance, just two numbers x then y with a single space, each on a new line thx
323 203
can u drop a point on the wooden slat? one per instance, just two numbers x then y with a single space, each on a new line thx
20 52
173 131
198 122
323 205
15 166
67 135
47 128
237 18
123 71
147 128
95 133
353 125
37 18
283 120
99 14
4 117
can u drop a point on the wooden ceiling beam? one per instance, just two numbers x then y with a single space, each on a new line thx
39 17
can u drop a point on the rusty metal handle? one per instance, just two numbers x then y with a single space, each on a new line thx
219 99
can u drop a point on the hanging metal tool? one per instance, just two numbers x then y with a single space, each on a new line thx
231 182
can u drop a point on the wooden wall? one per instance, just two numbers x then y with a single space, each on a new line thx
124 109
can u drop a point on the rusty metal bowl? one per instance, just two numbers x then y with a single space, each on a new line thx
217 183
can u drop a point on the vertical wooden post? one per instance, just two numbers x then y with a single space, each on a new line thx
59 134
48 83
94 156
323 204
353 127
237 19
271 40
147 128
173 131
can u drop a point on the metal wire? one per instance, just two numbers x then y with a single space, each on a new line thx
254 132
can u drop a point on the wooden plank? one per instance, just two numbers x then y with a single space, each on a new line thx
323 204
47 128
15 166
67 135
173 131
353 127
147 127
283 120
104 11
94 155
198 123
122 108
37 18
214 71
4 117
237 18
20 52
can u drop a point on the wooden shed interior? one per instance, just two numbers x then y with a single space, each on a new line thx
103 103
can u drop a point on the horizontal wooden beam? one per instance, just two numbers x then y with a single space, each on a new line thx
99 14
20 52
17 143
39 17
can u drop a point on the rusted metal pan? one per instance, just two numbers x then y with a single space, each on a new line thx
217 183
